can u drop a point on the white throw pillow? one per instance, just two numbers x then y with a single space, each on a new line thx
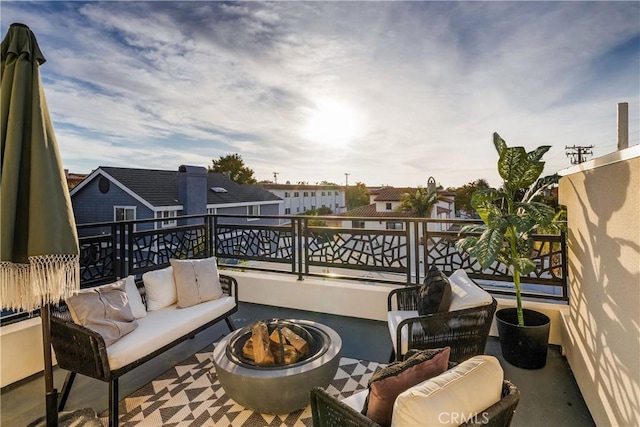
465 293
160 288
452 398
135 300
197 281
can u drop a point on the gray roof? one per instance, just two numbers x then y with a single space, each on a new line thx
159 187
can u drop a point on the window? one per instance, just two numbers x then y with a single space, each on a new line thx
335 193
388 206
313 207
287 194
336 206
313 194
253 210
296 194
298 209
305 194
394 226
287 211
322 194
357 224
168 222
124 213
212 211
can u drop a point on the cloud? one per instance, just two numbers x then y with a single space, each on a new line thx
158 84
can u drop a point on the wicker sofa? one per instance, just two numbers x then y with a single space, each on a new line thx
458 387
81 350
464 328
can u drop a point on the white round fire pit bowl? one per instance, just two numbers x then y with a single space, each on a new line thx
278 389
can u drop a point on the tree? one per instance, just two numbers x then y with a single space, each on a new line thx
419 203
463 194
234 168
356 196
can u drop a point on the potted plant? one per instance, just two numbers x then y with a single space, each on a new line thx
510 217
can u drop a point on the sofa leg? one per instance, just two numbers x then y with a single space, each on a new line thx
66 389
113 403
230 324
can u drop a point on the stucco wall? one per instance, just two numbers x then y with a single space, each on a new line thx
602 327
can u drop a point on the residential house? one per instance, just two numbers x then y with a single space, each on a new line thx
113 194
383 210
299 198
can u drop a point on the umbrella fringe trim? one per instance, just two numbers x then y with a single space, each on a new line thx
47 279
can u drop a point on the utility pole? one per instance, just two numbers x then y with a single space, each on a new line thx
578 153
346 179
275 177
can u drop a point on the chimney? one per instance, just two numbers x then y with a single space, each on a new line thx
623 125
192 191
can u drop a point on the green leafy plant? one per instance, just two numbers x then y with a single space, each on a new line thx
509 220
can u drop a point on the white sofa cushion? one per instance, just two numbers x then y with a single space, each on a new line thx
160 327
160 288
452 398
465 293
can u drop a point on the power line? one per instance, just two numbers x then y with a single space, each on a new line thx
578 153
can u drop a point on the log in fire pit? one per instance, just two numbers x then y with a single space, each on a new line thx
271 365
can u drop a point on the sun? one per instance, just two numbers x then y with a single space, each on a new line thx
332 123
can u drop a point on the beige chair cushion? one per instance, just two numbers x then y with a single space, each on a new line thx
196 281
452 398
105 310
465 293
160 288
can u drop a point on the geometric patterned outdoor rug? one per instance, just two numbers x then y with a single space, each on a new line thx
189 394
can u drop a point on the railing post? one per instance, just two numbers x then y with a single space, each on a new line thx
207 236
129 251
294 252
123 251
408 248
300 249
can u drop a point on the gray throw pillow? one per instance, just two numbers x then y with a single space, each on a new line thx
105 310
435 293
197 281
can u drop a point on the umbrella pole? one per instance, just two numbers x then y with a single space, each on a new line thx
51 393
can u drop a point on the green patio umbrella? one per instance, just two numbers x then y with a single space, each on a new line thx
39 245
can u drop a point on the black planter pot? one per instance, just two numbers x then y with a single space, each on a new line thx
523 346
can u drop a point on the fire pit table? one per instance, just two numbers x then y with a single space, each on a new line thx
277 389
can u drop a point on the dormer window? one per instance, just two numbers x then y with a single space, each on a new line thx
219 190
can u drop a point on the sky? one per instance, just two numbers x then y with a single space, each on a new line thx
384 93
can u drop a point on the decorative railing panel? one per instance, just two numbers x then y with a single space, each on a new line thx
97 260
156 247
258 243
547 254
357 249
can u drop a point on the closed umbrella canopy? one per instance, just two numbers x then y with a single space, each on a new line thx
39 243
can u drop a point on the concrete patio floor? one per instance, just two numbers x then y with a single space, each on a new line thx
549 396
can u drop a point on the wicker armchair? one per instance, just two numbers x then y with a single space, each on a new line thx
465 331
327 411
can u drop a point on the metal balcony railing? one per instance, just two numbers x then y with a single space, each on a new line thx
327 246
